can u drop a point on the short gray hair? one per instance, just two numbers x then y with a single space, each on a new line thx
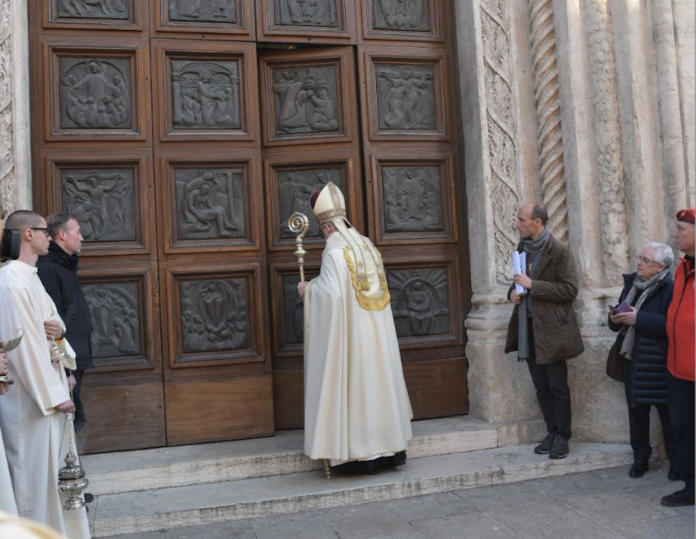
663 252
59 221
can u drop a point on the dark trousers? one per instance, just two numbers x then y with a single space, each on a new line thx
639 423
680 403
553 393
80 417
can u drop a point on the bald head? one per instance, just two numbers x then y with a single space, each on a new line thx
23 219
531 220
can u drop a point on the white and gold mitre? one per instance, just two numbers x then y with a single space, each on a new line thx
363 259
330 204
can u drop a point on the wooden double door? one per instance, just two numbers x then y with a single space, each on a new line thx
183 134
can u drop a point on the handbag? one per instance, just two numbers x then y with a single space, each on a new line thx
614 366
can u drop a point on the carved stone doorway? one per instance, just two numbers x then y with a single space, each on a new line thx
183 135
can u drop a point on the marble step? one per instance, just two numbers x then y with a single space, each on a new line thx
139 512
152 469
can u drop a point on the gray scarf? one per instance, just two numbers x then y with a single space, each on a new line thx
647 287
534 249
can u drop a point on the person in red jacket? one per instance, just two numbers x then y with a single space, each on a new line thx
680 359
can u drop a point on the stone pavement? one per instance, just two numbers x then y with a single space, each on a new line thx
604 504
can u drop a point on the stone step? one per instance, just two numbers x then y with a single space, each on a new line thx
165 509
153 469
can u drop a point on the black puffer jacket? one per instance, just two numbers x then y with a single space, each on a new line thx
649 383
58 273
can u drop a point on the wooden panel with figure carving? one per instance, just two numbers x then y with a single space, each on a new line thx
111 195
100 15
215 315
207 200
96 91
407 94
308 97
125 317
413 196
407 21
309 21
291 178
208 91
223 19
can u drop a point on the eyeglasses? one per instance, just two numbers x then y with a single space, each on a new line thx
44 230
646 260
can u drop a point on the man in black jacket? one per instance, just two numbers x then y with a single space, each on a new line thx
58 273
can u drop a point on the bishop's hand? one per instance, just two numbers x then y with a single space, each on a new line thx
301 288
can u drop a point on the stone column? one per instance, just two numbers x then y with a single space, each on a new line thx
501 165
15 145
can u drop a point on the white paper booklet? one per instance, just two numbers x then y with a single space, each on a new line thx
519 263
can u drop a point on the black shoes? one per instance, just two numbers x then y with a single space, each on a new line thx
638 469
544 448
673 474
560 448
681 498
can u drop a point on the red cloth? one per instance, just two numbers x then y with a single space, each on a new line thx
681 319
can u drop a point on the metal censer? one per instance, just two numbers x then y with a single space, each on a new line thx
71 477
8 346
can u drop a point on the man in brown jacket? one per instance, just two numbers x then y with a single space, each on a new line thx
543 328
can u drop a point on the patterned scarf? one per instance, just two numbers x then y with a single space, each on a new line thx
533 248
647 287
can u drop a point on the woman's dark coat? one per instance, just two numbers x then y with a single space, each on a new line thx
649 354
58 273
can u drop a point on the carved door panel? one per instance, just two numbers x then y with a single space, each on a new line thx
309 21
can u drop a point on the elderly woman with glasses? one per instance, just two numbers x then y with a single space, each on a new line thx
643 345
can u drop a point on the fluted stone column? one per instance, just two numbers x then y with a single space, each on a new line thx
15 143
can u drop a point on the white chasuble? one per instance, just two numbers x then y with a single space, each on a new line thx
356 402
31 427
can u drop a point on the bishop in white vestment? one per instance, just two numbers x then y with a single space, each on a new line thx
356 403
31 425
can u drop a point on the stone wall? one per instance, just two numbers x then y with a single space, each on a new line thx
15 139
611 149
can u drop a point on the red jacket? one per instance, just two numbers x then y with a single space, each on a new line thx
680 324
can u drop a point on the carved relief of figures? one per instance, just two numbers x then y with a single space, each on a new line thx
205 95
115 318
294 308
95 93
412 199
220 11
103 202
294 191
93 9
215 315
305 100
210 204
406 98
410 15
306 13
420 302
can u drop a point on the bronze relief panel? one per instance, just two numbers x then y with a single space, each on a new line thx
103 200
311 13
210 204
305 101
214 316
93 9
401 15
406 98
210 11
205 95
116 327
420 301
295 188
95 93
412 199
293 315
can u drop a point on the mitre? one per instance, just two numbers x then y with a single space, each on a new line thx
330 204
